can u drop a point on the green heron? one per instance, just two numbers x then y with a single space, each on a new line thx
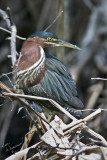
41 74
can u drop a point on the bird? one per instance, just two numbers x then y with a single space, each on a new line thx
41 74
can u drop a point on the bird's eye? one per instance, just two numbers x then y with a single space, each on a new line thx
51 39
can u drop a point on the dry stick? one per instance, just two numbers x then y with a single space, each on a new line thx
42 99
12 27
86 148
54 21
3 29
13 38
80 122
103 153
6 75
24 152
4 87
4 15
96 135
92 115
28 137
89 117
78 126
27 140
98 78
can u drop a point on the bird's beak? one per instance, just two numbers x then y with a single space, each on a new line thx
63 44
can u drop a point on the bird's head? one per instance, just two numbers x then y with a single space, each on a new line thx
46 39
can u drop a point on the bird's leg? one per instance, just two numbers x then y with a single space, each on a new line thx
30 125
42 125
28 137
50 116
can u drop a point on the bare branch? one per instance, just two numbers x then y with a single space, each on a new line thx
103 79
13 38
13 32
10 33
96 135
4 15
53 21
87 148
42 99
22 153
6 75
81 123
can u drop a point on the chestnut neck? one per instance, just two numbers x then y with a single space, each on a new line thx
31 66
30 54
